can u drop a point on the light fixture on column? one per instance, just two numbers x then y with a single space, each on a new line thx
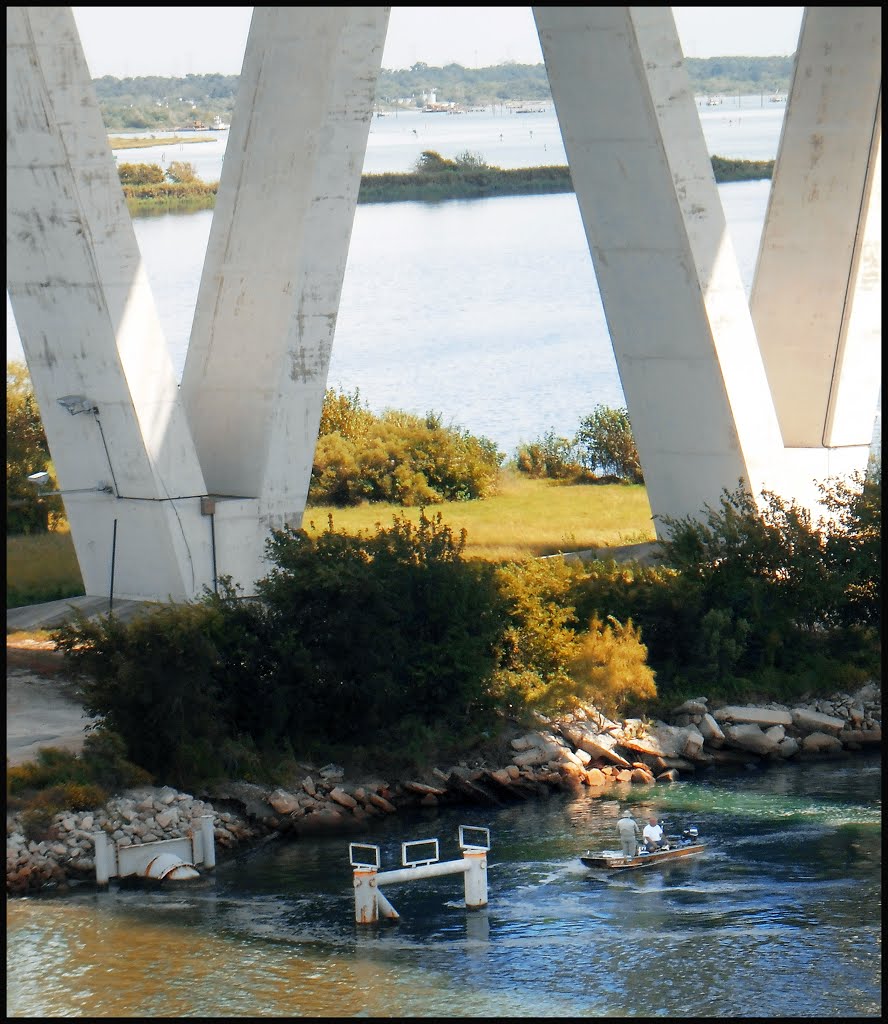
39 480
76 403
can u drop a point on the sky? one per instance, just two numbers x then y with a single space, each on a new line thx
206 40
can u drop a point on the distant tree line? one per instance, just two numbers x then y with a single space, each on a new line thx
152 103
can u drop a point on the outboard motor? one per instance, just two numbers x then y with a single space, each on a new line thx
690 834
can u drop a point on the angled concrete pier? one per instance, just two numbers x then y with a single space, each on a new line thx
169 488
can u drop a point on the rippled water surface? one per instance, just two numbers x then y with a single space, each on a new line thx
781 916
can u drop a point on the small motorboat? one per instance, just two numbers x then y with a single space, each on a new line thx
677 848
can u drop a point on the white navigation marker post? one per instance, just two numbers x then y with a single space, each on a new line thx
369 900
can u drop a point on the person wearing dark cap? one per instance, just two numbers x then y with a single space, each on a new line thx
628 832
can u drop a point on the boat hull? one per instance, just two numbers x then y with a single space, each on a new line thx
646 860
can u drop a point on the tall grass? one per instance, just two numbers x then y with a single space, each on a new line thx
526 518
41 567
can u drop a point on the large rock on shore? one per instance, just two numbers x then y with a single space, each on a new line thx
753 715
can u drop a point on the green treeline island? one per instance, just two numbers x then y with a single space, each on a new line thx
148 189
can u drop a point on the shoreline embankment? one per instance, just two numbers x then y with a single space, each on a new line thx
584 753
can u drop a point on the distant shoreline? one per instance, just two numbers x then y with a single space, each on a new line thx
470 183
116 142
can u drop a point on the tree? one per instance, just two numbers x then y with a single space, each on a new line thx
430 162
140 174
605 444
27 452
372 634
180 172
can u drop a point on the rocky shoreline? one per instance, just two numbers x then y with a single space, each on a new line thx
582 753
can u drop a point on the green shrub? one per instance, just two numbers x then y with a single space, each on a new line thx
397 457
605 446
140 174
153 681
550 457
366 632
753 596
27 452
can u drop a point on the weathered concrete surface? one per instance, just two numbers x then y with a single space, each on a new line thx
256 369
677 311
816 299
89 328
53 613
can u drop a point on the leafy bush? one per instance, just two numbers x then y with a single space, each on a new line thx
604 445
550 457
754 596
140 174
27 452
153 681
181 172
396 457
610 667
367 633
548 665
430 162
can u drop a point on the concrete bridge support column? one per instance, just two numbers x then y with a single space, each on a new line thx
698 393
816 301
257 364
90 331
679 320
187 507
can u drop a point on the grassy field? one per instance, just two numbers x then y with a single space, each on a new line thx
527 518
41 567
115 142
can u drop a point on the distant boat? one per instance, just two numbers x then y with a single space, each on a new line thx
218 124
714 101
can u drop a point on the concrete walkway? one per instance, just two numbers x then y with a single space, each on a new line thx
42 706
54 613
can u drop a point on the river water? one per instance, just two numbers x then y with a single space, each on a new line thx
780 917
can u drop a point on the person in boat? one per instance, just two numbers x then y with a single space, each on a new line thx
627 828
653 835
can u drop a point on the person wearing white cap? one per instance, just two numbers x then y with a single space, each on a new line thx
628 831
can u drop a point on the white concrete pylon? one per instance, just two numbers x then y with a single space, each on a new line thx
89 328
693 373
693 378
701 404
257 363
816 298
